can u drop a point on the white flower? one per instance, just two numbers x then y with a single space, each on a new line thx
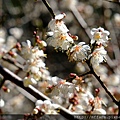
66 88
60 40
46 106
2 103
26 49
57 25
42 44
54 80
27 44
99 111
16 32
29 81
36 53
100 36
98 56
34 65
79 52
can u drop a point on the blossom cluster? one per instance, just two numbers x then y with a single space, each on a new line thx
61 38
34 63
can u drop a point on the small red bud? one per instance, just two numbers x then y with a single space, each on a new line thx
72 75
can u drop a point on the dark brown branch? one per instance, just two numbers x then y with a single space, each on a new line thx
104 86
49 8
2 81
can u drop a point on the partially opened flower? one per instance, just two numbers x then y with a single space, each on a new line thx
100 36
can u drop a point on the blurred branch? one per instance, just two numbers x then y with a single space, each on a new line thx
114 41
114 1
8 75
81 21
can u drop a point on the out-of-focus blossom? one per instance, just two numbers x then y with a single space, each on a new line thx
98 56
79 52
113 79
29 81
100 36
46 106
16 32
34 66
98 106
2 103
26 49
54 80
68 3
117 18
99 111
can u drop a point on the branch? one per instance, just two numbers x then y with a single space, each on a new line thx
103 85
81 21
8 75
49 8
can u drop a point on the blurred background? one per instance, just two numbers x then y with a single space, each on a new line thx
20 18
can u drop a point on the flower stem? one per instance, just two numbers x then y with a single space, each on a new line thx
49 8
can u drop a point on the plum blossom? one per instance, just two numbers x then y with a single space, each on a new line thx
59 36
26 49
100 36
46 106
98 56
60 40
29 81
34 65
57 25
98 106
79 52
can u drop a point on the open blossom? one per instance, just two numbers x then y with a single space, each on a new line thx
60 40
57 25
98 56
59 33
79 52
100 36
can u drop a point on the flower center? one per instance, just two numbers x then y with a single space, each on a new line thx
97 35
62 37
77 48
